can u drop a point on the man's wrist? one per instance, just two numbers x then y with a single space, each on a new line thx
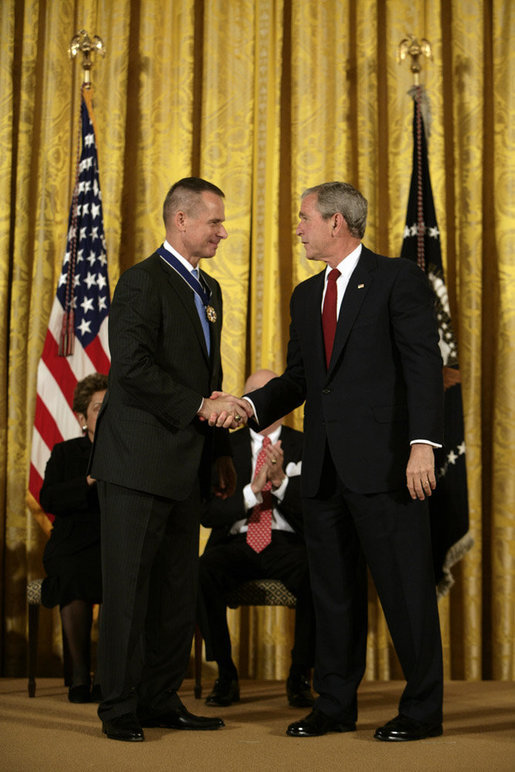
280 490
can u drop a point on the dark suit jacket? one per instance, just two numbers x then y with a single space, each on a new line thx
221 514
147 437
383 386
66 494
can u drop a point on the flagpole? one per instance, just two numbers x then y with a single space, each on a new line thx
413 48
80 43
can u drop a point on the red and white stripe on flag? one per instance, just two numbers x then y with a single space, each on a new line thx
76 341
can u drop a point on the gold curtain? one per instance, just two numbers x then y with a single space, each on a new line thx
265 98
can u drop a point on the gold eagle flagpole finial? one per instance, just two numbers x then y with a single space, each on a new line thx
88 47
410 46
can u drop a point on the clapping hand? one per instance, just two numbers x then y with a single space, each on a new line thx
272 470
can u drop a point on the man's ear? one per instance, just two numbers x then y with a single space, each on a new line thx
180 220
339 225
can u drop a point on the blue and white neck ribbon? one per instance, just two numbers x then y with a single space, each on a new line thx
199 290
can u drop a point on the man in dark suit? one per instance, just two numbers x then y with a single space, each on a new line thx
363 355
152 456
229 559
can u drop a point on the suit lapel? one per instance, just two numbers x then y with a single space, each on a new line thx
215 327
185 295
314 311
357 289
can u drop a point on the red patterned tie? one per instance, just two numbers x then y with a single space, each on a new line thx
329 314
259 532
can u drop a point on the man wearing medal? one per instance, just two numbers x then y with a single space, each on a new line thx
152 458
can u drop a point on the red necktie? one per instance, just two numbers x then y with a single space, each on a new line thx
329 314
259 533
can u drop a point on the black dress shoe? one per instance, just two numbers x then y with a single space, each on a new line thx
402 728
126 728
79 693
224 693
316 724
298 691
180 718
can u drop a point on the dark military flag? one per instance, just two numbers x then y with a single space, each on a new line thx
448 504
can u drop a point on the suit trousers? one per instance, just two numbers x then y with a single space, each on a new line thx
150 575
390 532
225 566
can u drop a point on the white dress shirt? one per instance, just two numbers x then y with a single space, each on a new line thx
346 267
186 263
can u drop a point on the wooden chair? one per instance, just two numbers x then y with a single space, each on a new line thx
33 604
258 592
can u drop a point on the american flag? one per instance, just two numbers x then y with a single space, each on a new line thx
76 339
448 504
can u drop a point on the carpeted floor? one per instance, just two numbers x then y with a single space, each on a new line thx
47 733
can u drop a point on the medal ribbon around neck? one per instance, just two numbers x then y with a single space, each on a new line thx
195 285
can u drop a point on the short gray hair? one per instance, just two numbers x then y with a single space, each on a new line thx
333 197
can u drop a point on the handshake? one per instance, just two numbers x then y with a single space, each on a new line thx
225 410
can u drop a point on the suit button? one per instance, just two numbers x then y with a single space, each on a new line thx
326 391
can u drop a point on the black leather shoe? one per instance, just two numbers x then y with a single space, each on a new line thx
316 724
402 729
126 728
224 693
79 693
298 691
180 718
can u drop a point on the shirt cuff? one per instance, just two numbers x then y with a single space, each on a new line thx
426 442
253 408
280 491
250 498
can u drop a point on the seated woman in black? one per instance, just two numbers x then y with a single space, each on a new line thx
72 554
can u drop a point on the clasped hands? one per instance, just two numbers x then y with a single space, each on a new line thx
272 470
225 411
